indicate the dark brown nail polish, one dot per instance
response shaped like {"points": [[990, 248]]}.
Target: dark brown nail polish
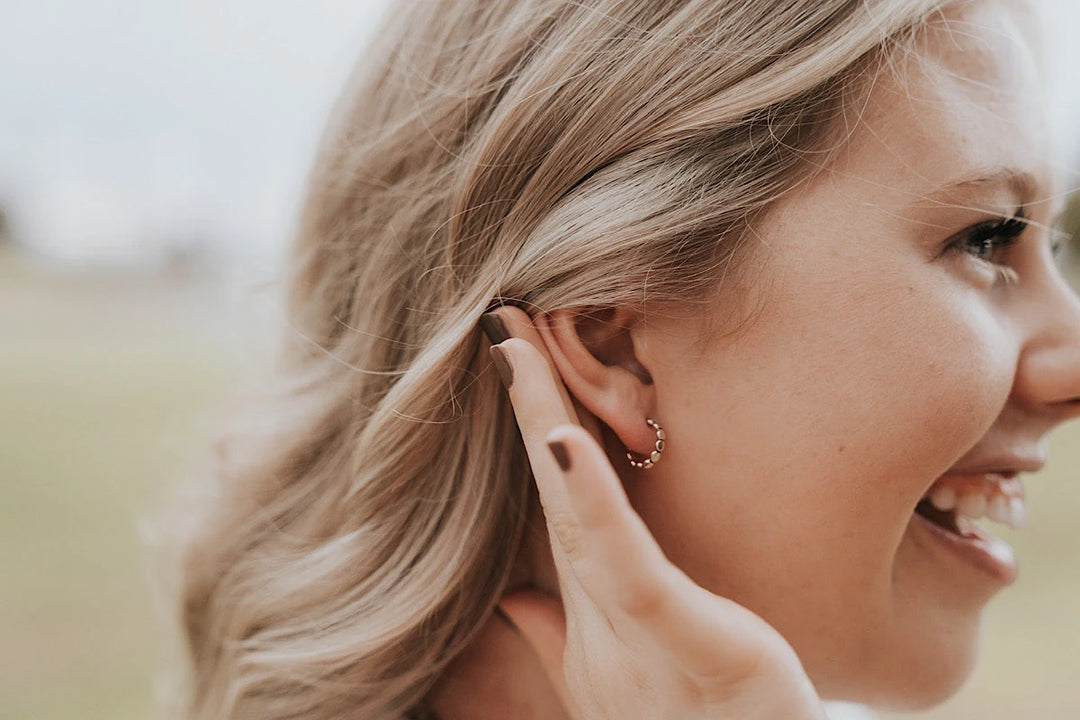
{"points": [[506, 618], [493, 327], [502, 364], [558, 449]]}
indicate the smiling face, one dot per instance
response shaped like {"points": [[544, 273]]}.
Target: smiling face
{"points": [[883, 343]]}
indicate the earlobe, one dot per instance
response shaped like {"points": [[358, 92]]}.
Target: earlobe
{"points": [[596, 358]]}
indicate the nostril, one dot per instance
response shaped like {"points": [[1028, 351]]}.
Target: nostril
{"points": [[1062, 409]]}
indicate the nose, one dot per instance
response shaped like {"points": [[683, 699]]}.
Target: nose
{"points": [[1048, 375]]}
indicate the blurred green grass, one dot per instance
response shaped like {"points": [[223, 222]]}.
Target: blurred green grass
{"points": [[105, 387], [103, 391]]}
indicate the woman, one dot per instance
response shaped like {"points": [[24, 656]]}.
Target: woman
{"points": [[776, 305]]}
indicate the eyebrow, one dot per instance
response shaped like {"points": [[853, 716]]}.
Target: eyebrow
{"points": [[1020, 182]]}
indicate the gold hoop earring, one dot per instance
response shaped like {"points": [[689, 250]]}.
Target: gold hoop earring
{"points": [[654, 456]]}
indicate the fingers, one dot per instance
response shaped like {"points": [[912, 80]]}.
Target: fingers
{"points": [[539, 399], [538, 408], [540, 403], [507, 322], [591, 522], [615, 557], [618, 589], [620, 566]]}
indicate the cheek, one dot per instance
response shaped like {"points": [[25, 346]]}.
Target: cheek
{"points": [[799, 449], [821, 424], [920, 384], [869, 380]]}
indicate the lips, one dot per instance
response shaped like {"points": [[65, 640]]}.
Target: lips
{"points": [[988, 554], [952, 505]]}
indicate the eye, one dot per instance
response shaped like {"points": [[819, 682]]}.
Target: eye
{"points": [[987, 240]]}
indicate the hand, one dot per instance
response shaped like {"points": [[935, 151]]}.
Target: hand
{"points": [[635, 636]]}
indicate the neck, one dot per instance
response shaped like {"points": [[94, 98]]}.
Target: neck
{"points": [[499, 676]]}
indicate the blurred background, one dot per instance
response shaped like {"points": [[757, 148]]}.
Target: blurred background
{"points": [[152, 158]]}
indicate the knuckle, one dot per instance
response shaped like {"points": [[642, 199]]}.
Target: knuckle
{"points": [[643, 595], [569, 533], [635, 678]]}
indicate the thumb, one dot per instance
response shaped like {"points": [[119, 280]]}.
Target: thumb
{"points": [[540, 619]]}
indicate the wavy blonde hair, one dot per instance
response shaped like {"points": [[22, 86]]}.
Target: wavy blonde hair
{"points": [[584, 154]]}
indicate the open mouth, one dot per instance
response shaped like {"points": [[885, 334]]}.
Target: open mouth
{"points": [[949, 511], [955, 502], [942, 518]]}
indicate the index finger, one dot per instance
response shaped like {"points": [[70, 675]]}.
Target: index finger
{"points": [[539, 408], [541, 403], [509, 321], [600, 543]]}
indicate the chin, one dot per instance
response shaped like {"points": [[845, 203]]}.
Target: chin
{"points": [[911, 679], [927, 692]]}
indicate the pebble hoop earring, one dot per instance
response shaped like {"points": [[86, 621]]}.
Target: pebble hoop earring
{"points": [[654, 456]]}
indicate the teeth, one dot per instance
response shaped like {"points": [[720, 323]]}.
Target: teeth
{"points": [[943, 497], [999, 510], [1017, 513], [966, 526], [999, 502], [972, 505]]}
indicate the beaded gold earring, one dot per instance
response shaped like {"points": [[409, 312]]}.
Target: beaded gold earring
{"points": [[654, 456]]}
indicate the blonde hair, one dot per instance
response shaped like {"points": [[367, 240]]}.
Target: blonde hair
{"points": [[560, 154]]}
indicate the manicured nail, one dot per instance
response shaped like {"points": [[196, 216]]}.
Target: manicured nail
{"points": [[493, 327], [558, 449], [507, 302], [502, 364], [506, 618]]}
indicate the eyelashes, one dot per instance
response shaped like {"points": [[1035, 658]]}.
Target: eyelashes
{"points": [[988, 240]]}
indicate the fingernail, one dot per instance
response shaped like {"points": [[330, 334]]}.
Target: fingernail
{"points": [[558, 449], [507, 302], [502, 364], [506, 618], [493, 327]]}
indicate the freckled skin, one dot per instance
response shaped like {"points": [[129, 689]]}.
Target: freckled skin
{"points": [[799, 447]]}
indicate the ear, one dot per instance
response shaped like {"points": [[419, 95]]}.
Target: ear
{"points": [[594, 353]]}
